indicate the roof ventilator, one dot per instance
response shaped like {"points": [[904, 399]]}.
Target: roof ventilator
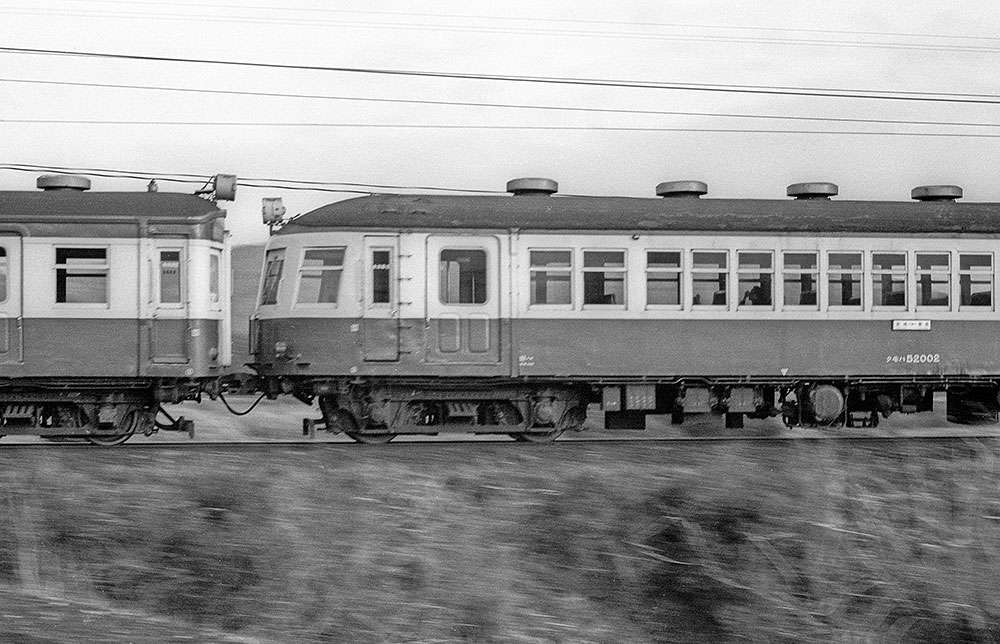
{"points": [[936, 193], [63, 182], [676, 189], [532, 186], [812, 190]]}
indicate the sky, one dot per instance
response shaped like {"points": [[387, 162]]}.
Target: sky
{"points": [[925, 48]]}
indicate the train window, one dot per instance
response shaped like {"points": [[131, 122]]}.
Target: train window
{"points": [[756, 278], [319, 275], [889, 280], [213, 276], [462, 276], [801, 278], [551, 276], [3, 274], [274, 261], [933, 279], [382, 276], [663, 277], [604, 277], [81, 275], [709, 276], [170, 277], [844, 276], [975, 280]]}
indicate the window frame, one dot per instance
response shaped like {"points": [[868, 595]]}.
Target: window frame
{"points": [[5, 271], [570, 272], [693, 271], [990, 274], [370, 267], [768, 271], [680, 272], [905, 273], [282, 251], [181, 276], [301, 269], [486, 271], [817, 274], [623, 270], [948, 274], [862, 274], [105, 267]]}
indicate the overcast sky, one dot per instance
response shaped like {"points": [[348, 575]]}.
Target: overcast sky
{"points": [[894, 46]]}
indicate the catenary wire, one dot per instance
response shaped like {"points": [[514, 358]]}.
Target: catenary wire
{"points": [[522, 19], [456, 126], [253, 182], [409, 26], [520, 106], [896, 95]]}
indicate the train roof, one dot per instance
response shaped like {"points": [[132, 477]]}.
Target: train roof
{"points": [[557, 213], [71, 203]]}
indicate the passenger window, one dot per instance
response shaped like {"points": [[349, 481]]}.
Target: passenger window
{"points": [[381, 276], [709, 277], [756, 278], [889, 280], [81, 275], [213, 276], [319, 275], [551, 277], [975, 280], [844, 280], [170, 277], [933, 279], [604, 277], [663, 277], [274, 261], [801, 277], [462, 276], [3, 274]]}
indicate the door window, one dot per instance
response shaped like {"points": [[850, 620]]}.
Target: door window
{"points": [[462, 276]]}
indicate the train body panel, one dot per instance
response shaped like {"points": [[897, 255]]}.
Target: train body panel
{"points": [[805, 303], [109, 304]]}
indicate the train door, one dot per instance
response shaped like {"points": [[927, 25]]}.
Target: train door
{"points": [[463, 299], [169, 337], [380, 311], [11, 347]]}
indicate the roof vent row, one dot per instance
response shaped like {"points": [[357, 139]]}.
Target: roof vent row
{"points": [[695, 189]]}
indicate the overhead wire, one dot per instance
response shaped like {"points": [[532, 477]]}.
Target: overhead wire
{"points": [[457, 126], [410, 26], [519, 106], [251, 182], [895, 95], [537, 18]]}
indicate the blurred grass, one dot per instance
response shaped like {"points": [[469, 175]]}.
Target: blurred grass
{"points": [[801, 541]]}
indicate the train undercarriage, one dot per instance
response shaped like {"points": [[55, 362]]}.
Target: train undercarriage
{"points": [[377, 410], [100, 412]]}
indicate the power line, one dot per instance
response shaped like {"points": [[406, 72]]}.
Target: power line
{"points": [[519, 106], [523, 19], [252, 182], [942, 97], [409, 26], [457, 126]]}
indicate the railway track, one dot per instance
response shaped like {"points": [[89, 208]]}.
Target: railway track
{"points": [[410, 442]]}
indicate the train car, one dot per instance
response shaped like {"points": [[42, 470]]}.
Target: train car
{"points": [[512, 314], [110, 303]]}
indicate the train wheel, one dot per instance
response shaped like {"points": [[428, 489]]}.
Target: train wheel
{"points": [[344, 421], [129, 422]]}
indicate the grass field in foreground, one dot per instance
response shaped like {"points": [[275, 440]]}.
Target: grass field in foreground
{"points": [[560, 542]]}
